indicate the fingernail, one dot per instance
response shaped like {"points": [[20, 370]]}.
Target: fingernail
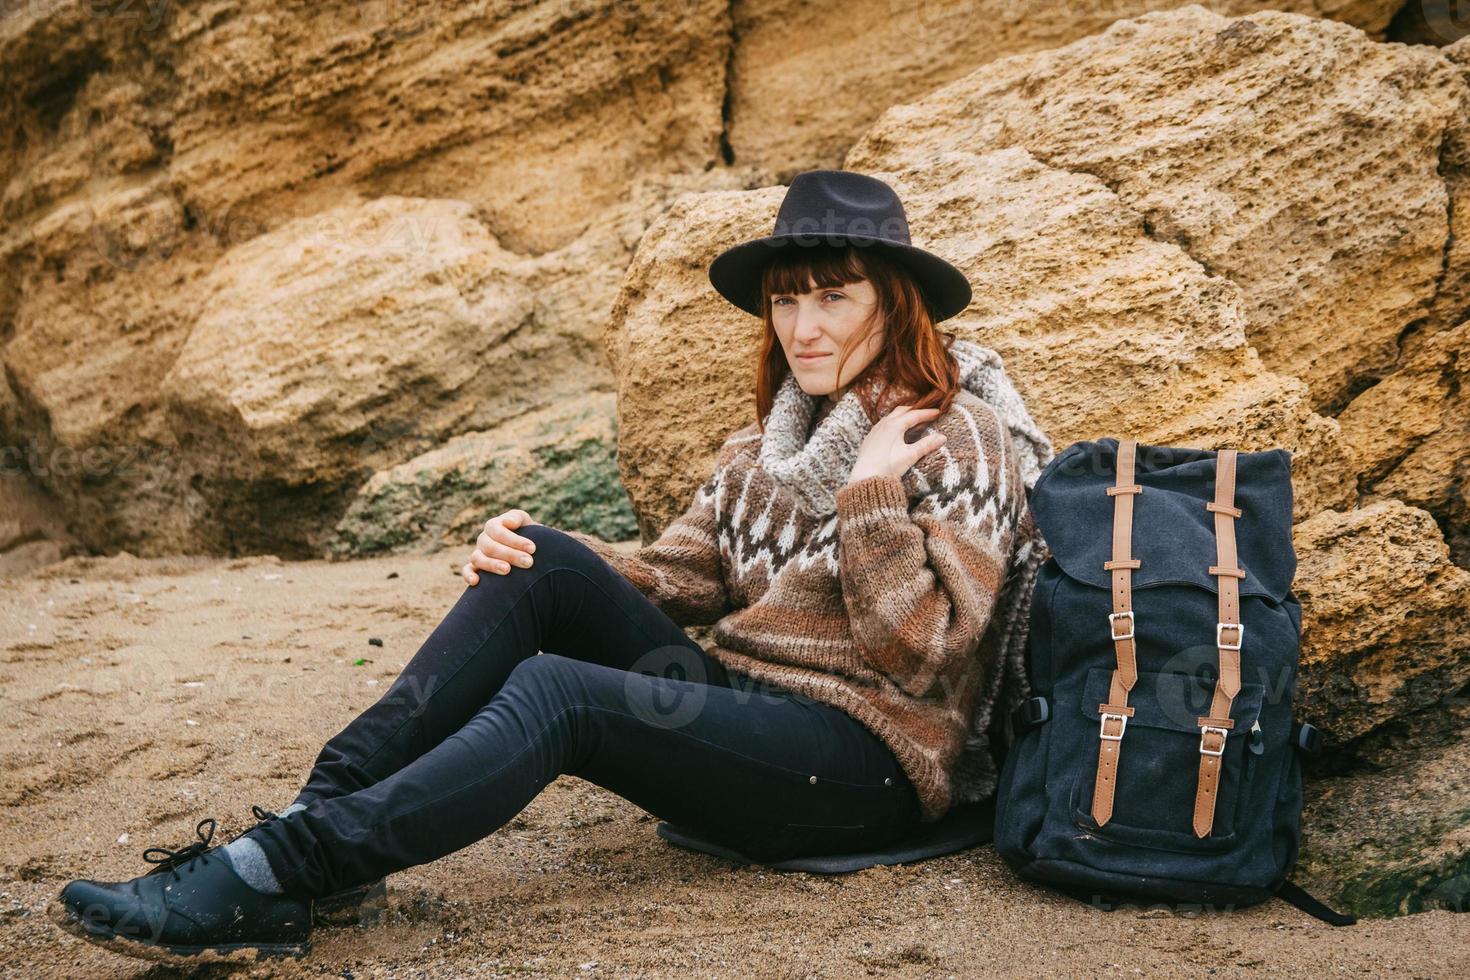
{"points": [[531, 546]]}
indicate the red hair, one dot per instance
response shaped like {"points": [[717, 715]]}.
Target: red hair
{"points": [[914, 367]]}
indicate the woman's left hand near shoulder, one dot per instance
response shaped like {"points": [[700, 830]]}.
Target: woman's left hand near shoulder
{"points": [[885, 452]]}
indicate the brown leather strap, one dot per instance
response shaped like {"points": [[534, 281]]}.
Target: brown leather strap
{"points": [[1229, 635], [1115, 711]]}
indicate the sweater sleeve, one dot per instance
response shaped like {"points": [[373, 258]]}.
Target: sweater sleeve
{"points": [[921, 582], [681, 572]]}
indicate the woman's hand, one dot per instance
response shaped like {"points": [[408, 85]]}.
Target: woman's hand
{"points": [[499, 547], [884, 451]]}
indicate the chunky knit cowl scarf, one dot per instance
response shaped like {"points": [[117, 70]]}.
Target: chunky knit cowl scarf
{"points": [[814, 464]]}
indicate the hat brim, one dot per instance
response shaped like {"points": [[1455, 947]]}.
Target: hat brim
{"points": [[736, 272]]}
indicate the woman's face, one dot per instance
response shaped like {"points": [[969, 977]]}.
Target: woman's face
{"points": [[814, 326]]}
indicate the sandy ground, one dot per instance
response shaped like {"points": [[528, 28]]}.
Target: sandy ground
{"points": [[140, 696]]}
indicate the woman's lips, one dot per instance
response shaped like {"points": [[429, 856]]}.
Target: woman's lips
{"points": [[809, 357]]}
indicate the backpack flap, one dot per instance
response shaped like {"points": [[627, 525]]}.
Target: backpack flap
{"points": [[1073, 511]]}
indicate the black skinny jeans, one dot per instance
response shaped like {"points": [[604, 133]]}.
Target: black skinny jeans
{"points": [[479, 722]]}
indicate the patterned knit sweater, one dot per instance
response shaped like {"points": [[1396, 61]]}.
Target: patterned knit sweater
{"points": [[904, 602]]}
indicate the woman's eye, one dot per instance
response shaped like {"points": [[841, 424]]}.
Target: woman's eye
{"points": [[830, 295]]}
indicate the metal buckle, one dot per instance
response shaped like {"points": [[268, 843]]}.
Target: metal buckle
{"points": [[1102, 726], [1239, 639], [1224, 735], [1128, 635]]}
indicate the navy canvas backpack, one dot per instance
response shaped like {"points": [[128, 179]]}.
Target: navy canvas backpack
{"points": [[1157, 759]]}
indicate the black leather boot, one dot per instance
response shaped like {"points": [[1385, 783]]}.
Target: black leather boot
{"points": [[193, 909]]}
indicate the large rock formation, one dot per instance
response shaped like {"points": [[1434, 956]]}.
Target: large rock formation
{"points": [[241, 245], [804, 73], [238, 409], [1384, 612], [152, 142], [1296, 158]]}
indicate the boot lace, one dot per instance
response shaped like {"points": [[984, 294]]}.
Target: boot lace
{"points": [[172, 861]]}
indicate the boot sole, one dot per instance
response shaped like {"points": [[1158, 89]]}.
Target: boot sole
{"points": [[105, 937]]}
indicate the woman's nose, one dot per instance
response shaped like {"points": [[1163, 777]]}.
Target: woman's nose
{"points": [[808, 326]]}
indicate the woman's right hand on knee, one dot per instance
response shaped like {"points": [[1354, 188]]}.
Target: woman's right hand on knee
{"points": [[499, 547]]}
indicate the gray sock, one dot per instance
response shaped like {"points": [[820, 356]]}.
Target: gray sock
{"points": [[251, 864]]}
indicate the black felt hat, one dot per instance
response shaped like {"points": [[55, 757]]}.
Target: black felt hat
{"points": [[839, 207]]}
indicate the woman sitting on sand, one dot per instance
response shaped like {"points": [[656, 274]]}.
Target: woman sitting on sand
{"points": [[867, 565]]}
